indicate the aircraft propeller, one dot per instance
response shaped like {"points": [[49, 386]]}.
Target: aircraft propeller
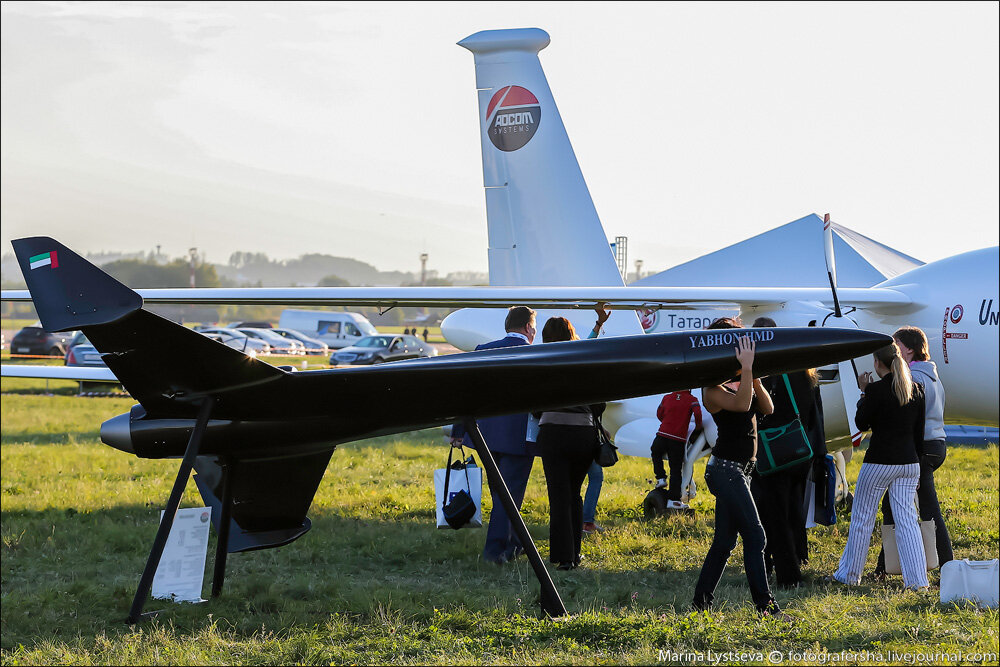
{"points": [[848, 369]]}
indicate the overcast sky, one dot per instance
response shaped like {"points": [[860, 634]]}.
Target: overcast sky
{"points": [[351, 129]]}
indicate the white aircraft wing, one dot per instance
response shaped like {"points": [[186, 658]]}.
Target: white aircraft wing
{"points": [[58, 373], [618, 298]]}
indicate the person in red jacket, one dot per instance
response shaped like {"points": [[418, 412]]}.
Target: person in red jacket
{"points": [[674, 414]]}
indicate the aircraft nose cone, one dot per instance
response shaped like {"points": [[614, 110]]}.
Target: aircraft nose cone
{"points": [[117, 433], [857, 342], [808, 347]]}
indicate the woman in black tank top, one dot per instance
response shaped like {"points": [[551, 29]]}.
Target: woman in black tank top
{"points": [[735, 414], [737, 439]]}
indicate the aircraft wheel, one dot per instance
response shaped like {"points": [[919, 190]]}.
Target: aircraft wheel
{"points": [[654, 504], [55, 352]]}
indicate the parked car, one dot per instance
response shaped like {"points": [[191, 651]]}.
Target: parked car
{"points": [[237, 340], [82, 352], [336, 329], [36, 340], [382, 348], [279, 344], [254, 324], [313, 345]]}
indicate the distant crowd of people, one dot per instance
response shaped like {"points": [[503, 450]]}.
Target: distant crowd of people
{"points": [[903, 408], [413, 332]]}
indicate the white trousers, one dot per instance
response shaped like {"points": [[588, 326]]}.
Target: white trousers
{"points": [[873, 480]]}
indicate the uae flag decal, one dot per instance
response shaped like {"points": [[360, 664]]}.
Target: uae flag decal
{"points": [[45, 259], [512, 117]]}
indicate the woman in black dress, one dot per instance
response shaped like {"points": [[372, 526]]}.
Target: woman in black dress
{"points": [[567, 440], [727, 476], [779, 496]]}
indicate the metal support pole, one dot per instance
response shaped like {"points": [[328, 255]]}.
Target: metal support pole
{"points": [[552, 604], [163, 532], [222, 546]]}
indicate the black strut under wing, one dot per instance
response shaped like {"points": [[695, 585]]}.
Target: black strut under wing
{"points": [[270, 497]]}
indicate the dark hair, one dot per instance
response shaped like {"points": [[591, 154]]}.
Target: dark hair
{"points": [[726, 323], [913, 338], [558, 329], [518, 317], [811, 373]]}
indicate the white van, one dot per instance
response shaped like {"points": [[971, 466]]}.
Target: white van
{"points": [[336, 329]]}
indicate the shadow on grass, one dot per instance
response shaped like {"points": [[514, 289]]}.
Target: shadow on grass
{"points": [[369, 585], [44, 438], [79, 570]]}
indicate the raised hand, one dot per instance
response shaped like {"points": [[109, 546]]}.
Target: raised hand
{"points": [[864, 380], [745, 352], [602, 315]]}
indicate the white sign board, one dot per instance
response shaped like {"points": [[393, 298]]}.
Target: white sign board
{"points": [[181, 572]]}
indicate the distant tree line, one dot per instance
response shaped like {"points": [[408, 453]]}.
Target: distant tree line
{"points": [[308, 269], [251, 269], [145, 274]]}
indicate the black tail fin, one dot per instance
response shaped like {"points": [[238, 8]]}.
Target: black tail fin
{"points": [[167, 367], [68, 291]]}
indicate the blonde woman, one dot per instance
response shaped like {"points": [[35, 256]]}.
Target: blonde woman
{"points": [[893, 408], [915, 351]]}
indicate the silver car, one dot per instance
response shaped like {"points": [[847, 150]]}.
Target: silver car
{"points": [[279, 344], [237, 340], [312, 345], [81, 352], [382, 348]]}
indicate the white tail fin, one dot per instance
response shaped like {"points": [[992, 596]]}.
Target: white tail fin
{"points": [[543, 227]]}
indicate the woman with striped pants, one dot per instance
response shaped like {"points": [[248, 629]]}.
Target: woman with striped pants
{"points": [[893, 408]]}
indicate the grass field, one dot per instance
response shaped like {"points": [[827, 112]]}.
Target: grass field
{"points": [[375, 582], [16, 324]]}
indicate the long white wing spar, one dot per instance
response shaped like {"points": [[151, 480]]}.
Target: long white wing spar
{"points": [[618, 298], [541, 298], [58, 373]]}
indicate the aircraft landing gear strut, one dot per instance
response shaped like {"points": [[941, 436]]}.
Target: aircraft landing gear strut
{"points": [[552, 604], [222, 545], [173, 502]]}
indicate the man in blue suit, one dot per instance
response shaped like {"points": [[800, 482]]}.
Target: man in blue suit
{"points": [[505, 437]]}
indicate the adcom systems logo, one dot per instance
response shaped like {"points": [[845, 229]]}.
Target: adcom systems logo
{"points": [[512, 117]]}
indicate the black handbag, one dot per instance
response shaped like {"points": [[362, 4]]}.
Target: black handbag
{"points": [[459, 507], [783, 446], [606, 454]]}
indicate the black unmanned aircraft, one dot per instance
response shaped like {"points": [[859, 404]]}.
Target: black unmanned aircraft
{"points": [[259, 437]]}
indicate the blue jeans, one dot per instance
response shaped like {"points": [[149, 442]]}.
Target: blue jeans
{"points": [[595, 480], [735, 514]]}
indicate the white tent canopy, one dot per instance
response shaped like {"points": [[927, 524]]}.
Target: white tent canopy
{"points": [[790, 256]]}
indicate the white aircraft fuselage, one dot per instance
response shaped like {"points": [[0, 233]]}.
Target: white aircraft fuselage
{"points": [[953, 305]]}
